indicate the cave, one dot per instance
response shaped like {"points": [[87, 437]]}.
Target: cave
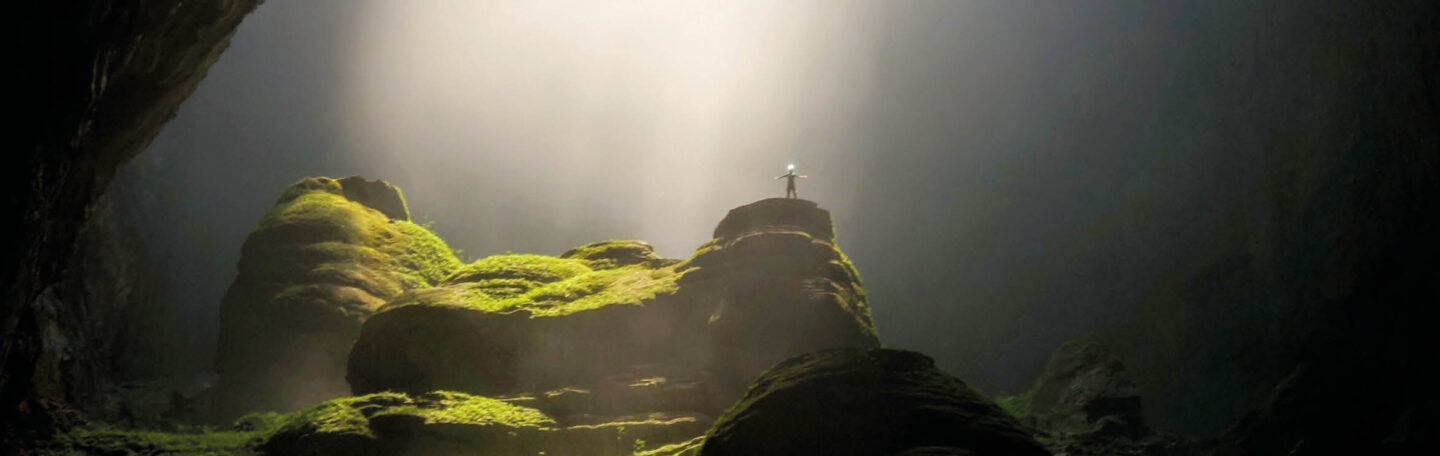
{"points": [[1180, 228]]}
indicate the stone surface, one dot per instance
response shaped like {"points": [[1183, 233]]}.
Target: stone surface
{"points": [[853, 401], [778, 286], [1085, 389], [315, 267]]}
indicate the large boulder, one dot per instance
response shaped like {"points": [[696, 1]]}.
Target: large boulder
{"points": [[778, 286], [865, 402], [511, 323], [316, 265], [1085, 389]]}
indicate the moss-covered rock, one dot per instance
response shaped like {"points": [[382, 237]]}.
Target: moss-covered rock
{"points": [[243, 437], [513, 323], [853, 401], [778, 286], [610, 331], [770, 285], [319, 263], [451, 423]]}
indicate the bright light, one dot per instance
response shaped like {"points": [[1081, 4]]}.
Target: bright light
{"points": [[792, 167]]}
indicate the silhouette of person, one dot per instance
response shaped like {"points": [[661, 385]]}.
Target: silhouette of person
{"points": [[789, 177]]}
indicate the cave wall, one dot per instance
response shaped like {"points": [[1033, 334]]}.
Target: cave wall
{"points": [[98, 81], [1327, 113]]}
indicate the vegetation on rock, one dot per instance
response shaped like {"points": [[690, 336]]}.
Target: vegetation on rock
{"points": [[315, 266], [853, 401]]}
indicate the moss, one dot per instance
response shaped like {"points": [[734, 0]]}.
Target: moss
{"points": [[546, 286], [351, 415], [687, 448], [316, 235], [448, 407], [614, 253], [533, 268], [1017, 405], [242, 439]]}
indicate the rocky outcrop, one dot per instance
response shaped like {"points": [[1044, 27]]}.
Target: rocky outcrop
{"points": [[851, 401], [452, 423], [1084, 389], [1085, 404], [609, 331], [315, 267], [779, 287]]}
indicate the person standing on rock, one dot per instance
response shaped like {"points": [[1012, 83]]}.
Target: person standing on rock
{"points": [[790, 177]]}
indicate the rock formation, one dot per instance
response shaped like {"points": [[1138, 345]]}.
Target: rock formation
{"points": [[1084, 389], [610, 331], [865, 402], [1086, 404], [315, 267]]}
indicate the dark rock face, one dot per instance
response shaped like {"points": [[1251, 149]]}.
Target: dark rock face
{"points": [[1085, 389], [453, 423], [316, 266], [1304, 414], [100, 80], [851, 401], [1085, 404]]}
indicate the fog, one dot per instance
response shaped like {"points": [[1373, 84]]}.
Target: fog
{"points": [[1005, 175]]}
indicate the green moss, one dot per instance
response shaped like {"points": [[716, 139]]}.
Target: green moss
{"points": [[245, 435], [448, 407], [1017, 405], [857, 306], [687, 448], [533, 268], [614, 253], [546, 286], [346, 415], [316, 235]]}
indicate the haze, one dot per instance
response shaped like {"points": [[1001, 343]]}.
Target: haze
{"points": [[1005, 175]]}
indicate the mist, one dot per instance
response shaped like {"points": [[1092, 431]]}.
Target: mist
{"points": [[1005, 175]]}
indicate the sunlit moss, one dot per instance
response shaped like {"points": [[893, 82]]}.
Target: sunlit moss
{"points": [[546, 286], [448, 407], [614, 253], [244, 436], [687, 448], [314, 234], [532, 268]]}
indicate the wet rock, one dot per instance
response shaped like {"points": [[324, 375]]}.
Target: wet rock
{"points": [[865, 402]]}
